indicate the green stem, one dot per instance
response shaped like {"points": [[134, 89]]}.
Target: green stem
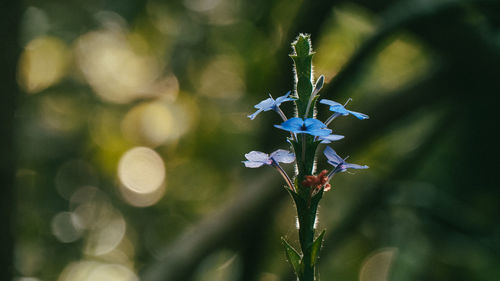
{"points": [[303, 139], [306, 237], [306, 213], [305, 150]]}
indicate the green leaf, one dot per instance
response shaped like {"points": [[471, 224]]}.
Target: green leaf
{"points": [[293, 257], [315, 199], [300, 203], [316, 247], [319, 84]]}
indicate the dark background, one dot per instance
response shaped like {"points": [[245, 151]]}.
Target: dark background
{"points": [[84, 82]]}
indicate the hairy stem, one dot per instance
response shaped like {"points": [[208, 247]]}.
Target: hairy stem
{"points": [[306, 237]]}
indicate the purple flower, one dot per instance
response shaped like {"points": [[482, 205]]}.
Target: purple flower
{"points": [[271, 104], [257, 159], [341, 110], [309, 126], [339, 164]]}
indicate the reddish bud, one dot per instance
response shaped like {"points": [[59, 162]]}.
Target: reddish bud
{"points": [[318, 181]]}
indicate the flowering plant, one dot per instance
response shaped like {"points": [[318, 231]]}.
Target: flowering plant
{"points": [[306, 134]]}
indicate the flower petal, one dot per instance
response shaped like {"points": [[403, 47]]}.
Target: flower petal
{"points": [[330, 102], [330, 138], [266, 104], [359, 115], [339, 108], [257, 156], [340, 168], [335, 106], [252, 116], [252, 164], [313, 124], [283, 156], [332, 156], [283, 99], [293, 125], [318, 132]]}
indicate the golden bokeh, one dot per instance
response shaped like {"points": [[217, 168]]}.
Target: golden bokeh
{"points": [[141, 172], [112, 68], [97, 271], [105, 238], [142, 199], [43, 63], [153, 123]]}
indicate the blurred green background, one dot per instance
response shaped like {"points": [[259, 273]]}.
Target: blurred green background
{"points": [[124, 127]]}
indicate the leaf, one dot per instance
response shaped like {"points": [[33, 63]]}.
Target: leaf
{"points": [[300, 203], [315, 200], [316, 247], [293, 257], [319, 84]]}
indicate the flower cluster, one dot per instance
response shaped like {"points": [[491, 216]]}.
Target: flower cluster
{"points": [[298, 126], [307, 135]]}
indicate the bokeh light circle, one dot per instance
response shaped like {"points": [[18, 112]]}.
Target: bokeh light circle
{"points": [[64, 226], [141, 170]]}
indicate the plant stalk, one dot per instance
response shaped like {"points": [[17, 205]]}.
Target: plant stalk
{"points": [[306, 237]]}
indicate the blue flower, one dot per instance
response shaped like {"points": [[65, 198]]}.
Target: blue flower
{"points": [[271, 104], [339, 164], [340, 109], [330, 138], [309, 126], [257, 159]]}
